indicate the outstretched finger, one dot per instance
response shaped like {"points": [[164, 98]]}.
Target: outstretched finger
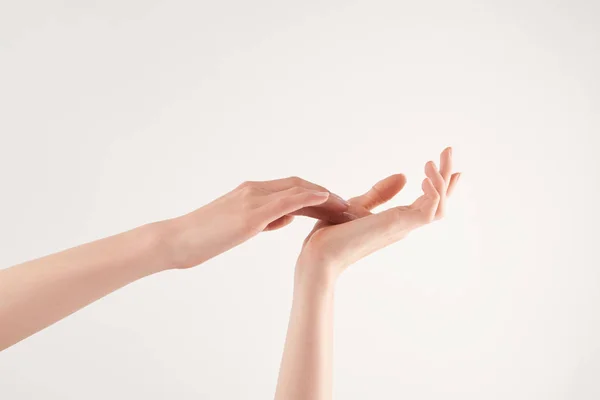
{"points": [[440, 186], [453, 181], [381, 192], [430, 200], [371, 233], [446, 164]]}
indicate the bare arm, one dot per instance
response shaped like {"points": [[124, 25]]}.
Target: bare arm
{"points": [[35, 294], [306, 366]]}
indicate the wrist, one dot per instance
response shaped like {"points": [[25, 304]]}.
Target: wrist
{"points": [[151, 243], [170, 244], [314, 277]]}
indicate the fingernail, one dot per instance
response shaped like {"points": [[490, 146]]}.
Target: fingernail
{"points": [[340, 199], [322, 194], [351, 217]]}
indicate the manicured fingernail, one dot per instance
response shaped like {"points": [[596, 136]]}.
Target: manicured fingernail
{"points": [[322, 194], [340, 199]]}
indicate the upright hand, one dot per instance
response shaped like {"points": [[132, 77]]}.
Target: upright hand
{"points": [[306, 366], [329, 249]]}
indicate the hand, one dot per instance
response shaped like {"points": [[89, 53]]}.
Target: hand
{"points": [[329, 249], [251, 208]]}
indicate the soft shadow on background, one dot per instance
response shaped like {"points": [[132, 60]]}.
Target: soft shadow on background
{"points": [[118, 113]]}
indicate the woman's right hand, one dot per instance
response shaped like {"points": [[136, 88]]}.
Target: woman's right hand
{"points": [[329, 249], [250, 208]]}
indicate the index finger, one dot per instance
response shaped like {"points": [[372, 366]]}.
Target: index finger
{"points": [[446, 164], [334, 204]]}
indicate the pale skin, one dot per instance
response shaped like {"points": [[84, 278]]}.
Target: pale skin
{"points": [[37, 293], [306, 367]]}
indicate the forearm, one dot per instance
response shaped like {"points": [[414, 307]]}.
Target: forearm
{"points": [[306, 367], [38, 293]]}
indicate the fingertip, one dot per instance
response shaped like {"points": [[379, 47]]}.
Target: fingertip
{"points": [[453, 181], [427, 166], [430, 168], [402, 178], [320, 197], [393, 183], [339, 199]]}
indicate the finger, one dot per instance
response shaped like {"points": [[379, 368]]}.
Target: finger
{"points": [[453, 181], [381, 192], [446, 164], [430, 200], [366, 235], [279, 223], [436, 178], [334, 202], [397, 221], [325, 214], [333, 210], [439, 184], [287, 201]]}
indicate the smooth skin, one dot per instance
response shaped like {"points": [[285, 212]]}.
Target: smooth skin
{"points": [[35, 294], [306, 366]]}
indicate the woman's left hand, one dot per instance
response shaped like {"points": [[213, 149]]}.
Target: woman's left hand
{"points": [[244, 212]]}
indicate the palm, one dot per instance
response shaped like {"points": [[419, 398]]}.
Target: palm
{"points": [[353, 240]]}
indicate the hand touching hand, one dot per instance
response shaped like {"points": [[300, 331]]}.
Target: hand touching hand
{"points": [[251, 208], [329, 249], [38, 293]]}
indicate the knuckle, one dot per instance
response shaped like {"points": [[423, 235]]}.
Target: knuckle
{"points": [[375, 195], [249, 197], [245, 184], [249, 190], [295, 180]]}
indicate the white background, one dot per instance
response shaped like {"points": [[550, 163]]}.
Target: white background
{"points": [[118, 113]]}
